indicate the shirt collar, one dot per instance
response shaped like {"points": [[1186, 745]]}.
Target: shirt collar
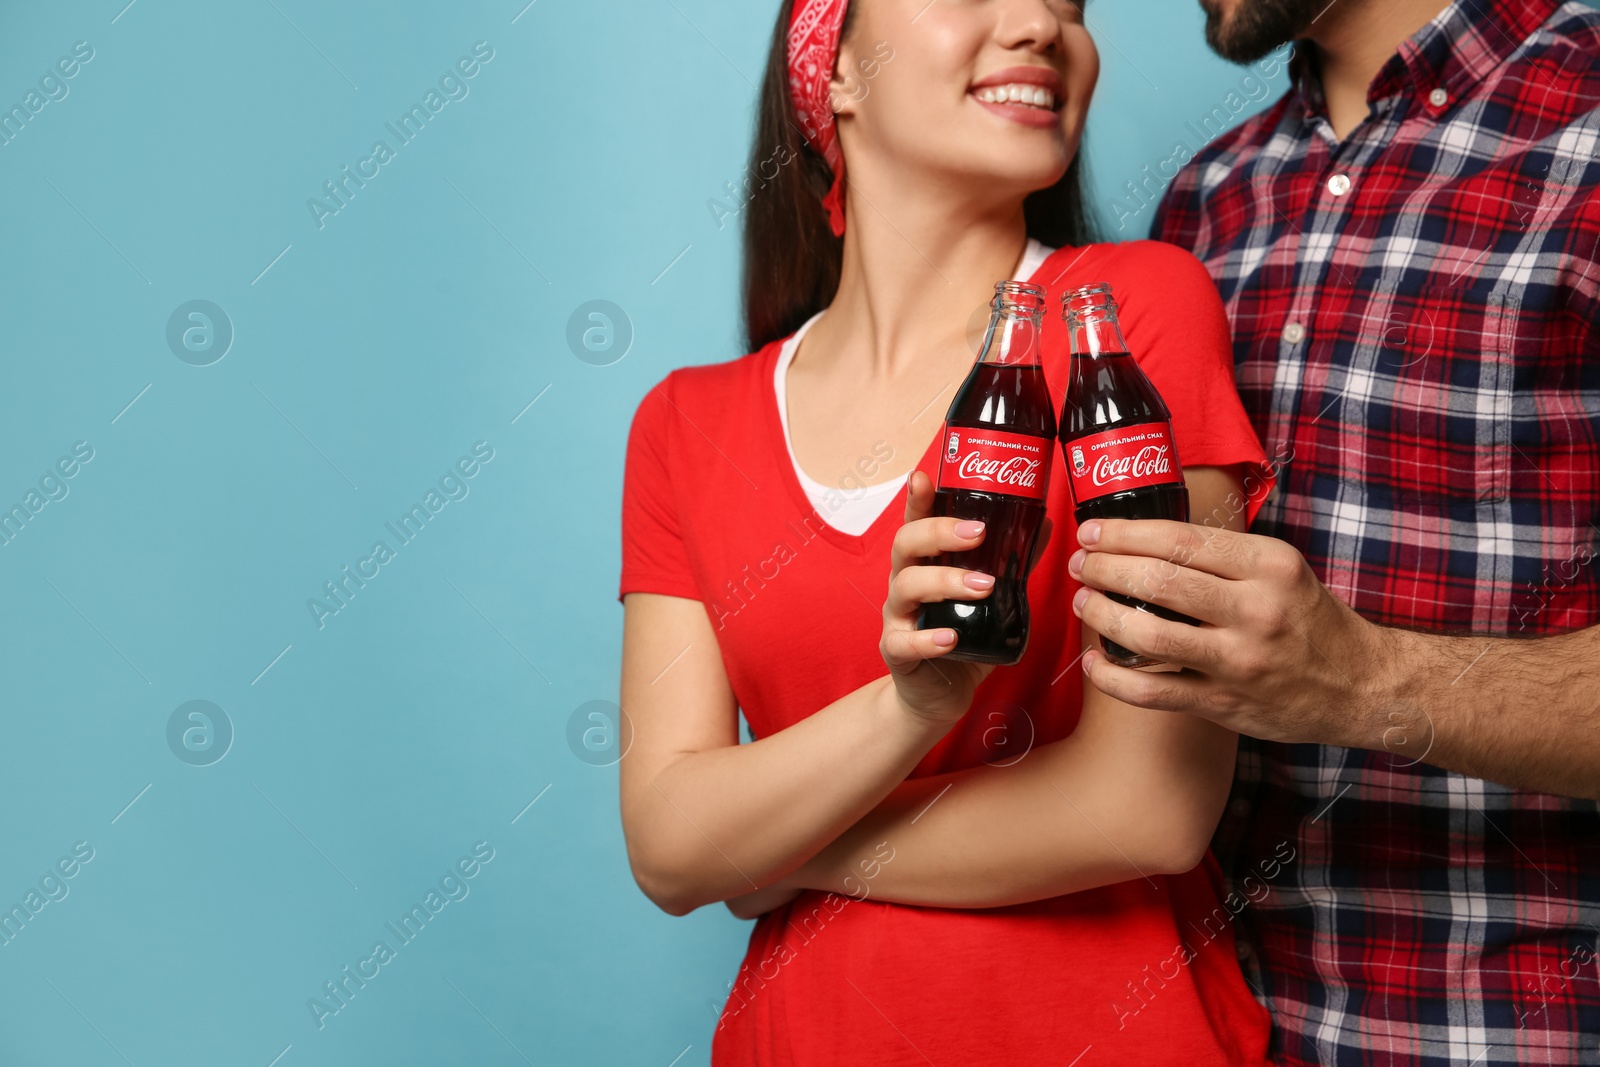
{"points": [[1458, 49]]}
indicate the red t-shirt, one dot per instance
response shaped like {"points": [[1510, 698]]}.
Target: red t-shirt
{"points": [[713, 511]]}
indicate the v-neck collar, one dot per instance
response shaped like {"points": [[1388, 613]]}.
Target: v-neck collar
{"points": [[779, 449], [888, 519]]}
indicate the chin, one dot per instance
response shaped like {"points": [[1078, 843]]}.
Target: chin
{"points": [[1040, 164], [1022, 172], [1043, 173]]}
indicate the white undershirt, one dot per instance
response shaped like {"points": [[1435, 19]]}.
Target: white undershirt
{"points": [[854, 510]]}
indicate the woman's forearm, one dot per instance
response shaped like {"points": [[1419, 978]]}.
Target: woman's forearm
{"points": [[1084, 812], [720, 823]]}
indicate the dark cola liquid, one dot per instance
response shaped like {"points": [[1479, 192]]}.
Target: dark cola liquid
{"points": [[994, 629], [1105, 393]]}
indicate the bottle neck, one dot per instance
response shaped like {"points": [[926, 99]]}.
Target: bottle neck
{"points": [[1094, 333], [1013, 338]]}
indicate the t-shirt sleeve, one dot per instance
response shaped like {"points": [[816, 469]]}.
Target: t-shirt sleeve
{"points": [[654, 556], [1176, 326]]}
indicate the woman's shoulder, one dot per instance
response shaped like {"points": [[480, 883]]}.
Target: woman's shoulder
{"points": [[1158, 286], [1138, 264], [707, 386]]}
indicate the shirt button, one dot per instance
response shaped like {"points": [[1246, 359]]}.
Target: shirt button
{"points": [[1239, 807], [1439, 98], [1294, 333], [1339, 184], [1244, 950]]}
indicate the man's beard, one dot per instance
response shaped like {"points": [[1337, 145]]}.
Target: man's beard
{"points": [[1257, 26]]}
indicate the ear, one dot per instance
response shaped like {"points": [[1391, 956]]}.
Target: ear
{"points": [[846, 88]]}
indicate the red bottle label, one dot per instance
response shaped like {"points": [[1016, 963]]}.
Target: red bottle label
{"points": [[1129, 457], [994, 461]]}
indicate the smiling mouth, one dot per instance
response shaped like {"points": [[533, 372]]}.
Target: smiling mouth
{"points": [[1035, 96]]}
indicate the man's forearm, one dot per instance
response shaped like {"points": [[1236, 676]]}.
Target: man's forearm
{"points": [[1283, 659], [1524, 713]]}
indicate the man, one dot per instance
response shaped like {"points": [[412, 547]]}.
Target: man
{"points": [[1409, 247]]}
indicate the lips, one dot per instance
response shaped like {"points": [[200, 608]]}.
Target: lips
{"points": [[1027, 95]]}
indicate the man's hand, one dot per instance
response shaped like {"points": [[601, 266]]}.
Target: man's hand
{"points": [[1278, 657]]}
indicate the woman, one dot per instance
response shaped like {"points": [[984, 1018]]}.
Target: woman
{"points": [[952, 863]]}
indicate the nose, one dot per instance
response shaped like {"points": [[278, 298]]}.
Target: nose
{"points": [[1030, 24]]}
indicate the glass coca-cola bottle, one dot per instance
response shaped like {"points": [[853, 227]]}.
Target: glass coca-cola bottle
{"points": [[1116, 438], [995, 453]]}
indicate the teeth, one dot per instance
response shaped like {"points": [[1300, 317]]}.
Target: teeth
{"points": [[1018, 93]]}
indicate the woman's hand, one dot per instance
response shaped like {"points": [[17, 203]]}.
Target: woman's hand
{"points": [[756, 904], [935, 691]]}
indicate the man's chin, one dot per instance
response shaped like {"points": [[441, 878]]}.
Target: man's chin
{"points": [[1246, 30]]}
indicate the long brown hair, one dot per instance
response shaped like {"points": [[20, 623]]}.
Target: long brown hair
{"points": [[791, 257]]}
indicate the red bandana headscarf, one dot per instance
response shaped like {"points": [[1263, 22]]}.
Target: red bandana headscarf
{"points": [[814, 27]]}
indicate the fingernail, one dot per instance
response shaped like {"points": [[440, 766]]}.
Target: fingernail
{"points": [[1089, 532], [1078, 600], [1089, 660], [969, 528], [944, 637], [1075, 562], [976, 580]]}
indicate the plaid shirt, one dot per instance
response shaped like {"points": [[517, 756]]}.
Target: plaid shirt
{"points": [[1416, 313]]}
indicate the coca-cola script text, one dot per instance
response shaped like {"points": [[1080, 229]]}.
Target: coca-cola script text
{"points": [[1116, 461], [995, 461]]}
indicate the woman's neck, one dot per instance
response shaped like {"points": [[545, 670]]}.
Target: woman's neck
{"points": [[913, 274]]}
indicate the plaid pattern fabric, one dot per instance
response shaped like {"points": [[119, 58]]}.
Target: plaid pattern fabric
{"points": [[1416, 315]]}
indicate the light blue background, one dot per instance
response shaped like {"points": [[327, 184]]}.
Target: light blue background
{"points": [[368, 356]]}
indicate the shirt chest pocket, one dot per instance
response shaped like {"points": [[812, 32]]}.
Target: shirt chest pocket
{"points": [[1438, 410]]}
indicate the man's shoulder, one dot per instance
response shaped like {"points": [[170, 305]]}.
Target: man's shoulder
{"points": [[1224, 158], [1561, 55], [1574, 23], [1224, 153]]}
